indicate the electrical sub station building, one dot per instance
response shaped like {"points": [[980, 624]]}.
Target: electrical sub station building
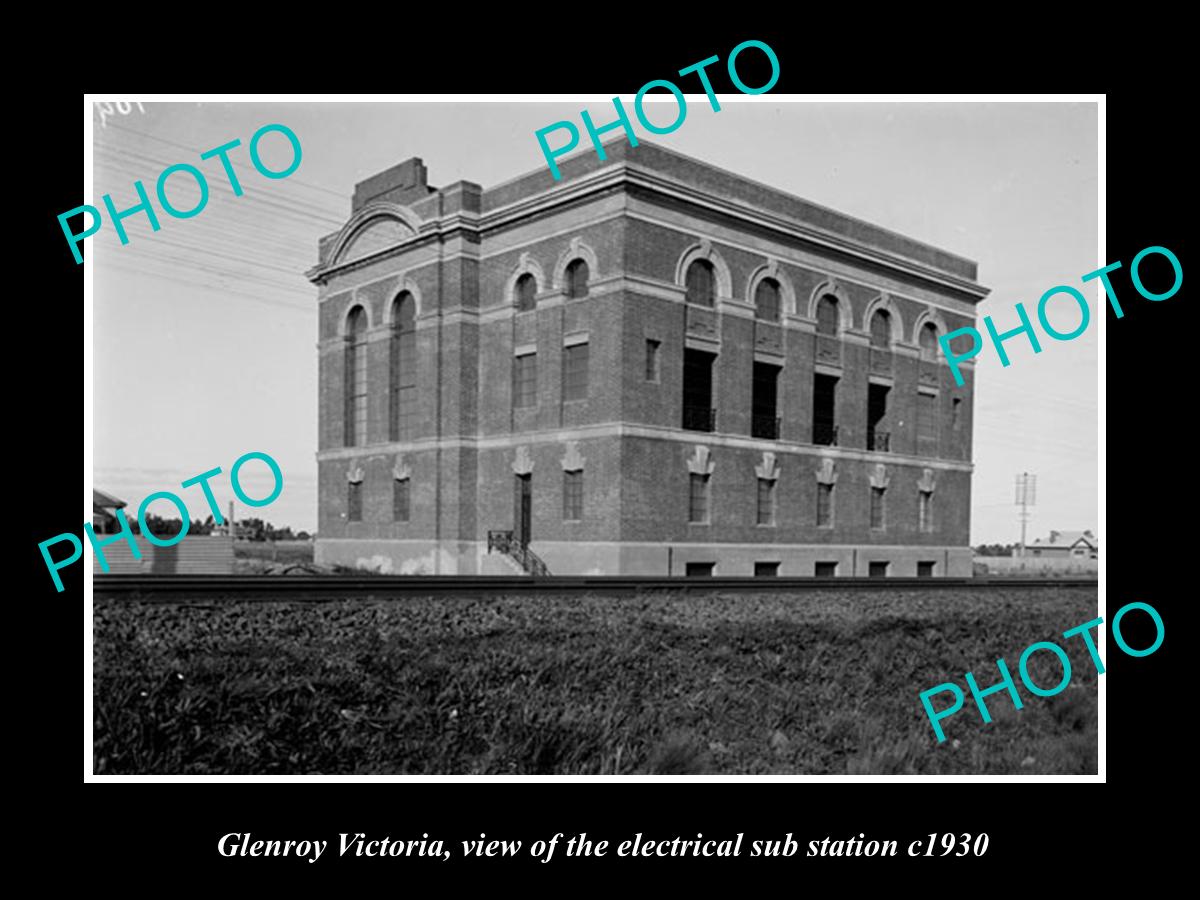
{"points": [[650, 367]]}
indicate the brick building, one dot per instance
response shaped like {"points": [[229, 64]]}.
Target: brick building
{"points": [[652, 366]]}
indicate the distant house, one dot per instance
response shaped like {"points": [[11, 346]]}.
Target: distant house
{"points": [[104, 512], [1064, 544]]}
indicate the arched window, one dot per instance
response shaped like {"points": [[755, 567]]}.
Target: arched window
{"points": [[881, 329], [701, 279], [827, 315], [766, 300], [402, 373], [356, 378], [526, 292], [928, 340], [577, 279]]}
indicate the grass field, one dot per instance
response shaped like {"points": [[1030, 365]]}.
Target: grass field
{"points": [[821, 682]]}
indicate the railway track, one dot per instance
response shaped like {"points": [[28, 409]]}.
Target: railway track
{"points": [[336, 587]]}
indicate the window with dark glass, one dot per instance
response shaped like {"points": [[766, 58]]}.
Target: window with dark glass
{"points": [[824, 505], [877, 569], [764, 401], [652, 350], [827, 315], [573, 496], [877, 498], [698, 412], [766, 300], [698, 498], [400, 509], [881, 329], [525, 381], [824, 409], [526, 292], [766, 569], [766, 501], [402, 374], [356, 378], [878, 436], [825, 569], [577, 279], [575, 372], [928, 340], [925, 511], [927, 430], [701, 283], [354, 502]]}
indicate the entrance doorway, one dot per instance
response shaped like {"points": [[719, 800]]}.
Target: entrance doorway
{"points": [[523, 517]]}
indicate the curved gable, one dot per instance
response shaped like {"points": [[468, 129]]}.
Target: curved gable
{"points": [[372, 229]]}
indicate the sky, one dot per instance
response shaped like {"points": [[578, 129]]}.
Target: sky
{"points": [[205, 331]]}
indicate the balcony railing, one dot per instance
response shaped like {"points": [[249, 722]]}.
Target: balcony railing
{"points": [[825, 433], [765, 427], [879, 440], [699, 418]]}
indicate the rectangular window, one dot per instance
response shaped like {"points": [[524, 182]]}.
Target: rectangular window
{"points": [[925, 569], [698, 499], [925, 511], [764, 407], [825, 505], [956, 413], [403, 412], [698, 412], [575, 372], [927, 424], [400, 500], [878, 434], [699, 570], [652, 347], [766, 569], [824, 409], [877, 569], [525, 381], [573, 496], [354, 502], [877, 508], [766, 501], [825, 570]]}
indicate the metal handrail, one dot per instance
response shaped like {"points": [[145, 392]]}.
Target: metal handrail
{"points": [[505, 542]]}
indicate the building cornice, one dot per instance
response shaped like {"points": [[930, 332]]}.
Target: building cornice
{"points": [[624, 173]]}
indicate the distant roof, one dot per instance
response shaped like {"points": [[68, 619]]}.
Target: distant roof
{"points": [[101, 500], [1067, 539]]}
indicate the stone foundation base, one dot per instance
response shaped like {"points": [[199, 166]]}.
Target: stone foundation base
{"points": [[597, 558]]}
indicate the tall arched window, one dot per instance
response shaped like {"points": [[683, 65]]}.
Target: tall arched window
{"points": [[577, 279], [356, 378], [766, 300], [827, 315], [701, 279], [526, 292], [928, 340], [881, 329], [402, 373]]}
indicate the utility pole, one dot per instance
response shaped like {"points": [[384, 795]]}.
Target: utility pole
{"points": [[1026, 496]]}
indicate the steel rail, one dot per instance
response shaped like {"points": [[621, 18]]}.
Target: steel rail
{"points": [[333, 587]]}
